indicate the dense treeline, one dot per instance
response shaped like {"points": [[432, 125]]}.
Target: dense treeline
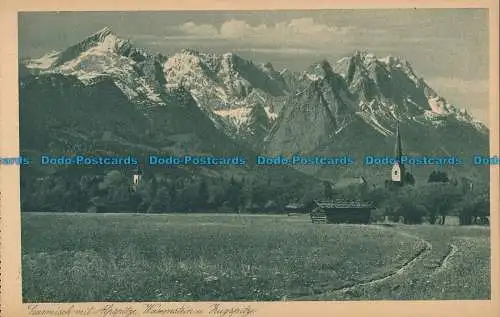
{"points": [[432, 202], [156, 193], [428, 202]]}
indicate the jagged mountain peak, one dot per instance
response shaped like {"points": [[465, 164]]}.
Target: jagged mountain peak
{"points": [[184, 56], [189, 51], [368, 60], [268, 66], [235, 62], [319, 70], [101, 42], [359, 55], [394, 61], [388, 88], [284, 71], [321, 76], [363, 58], [101, 34], [208, 61], [326, 67], [371, 76], [194, 52], [231, 58]]}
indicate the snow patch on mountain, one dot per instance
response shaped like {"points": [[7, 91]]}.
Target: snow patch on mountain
{"points": [[270, 114], [284, 71], [372, 121], [144, 88], [128, 91], [182, 67], [228, 88], [313, 77], [435, 119], [438, 106], [386, 60], [44, 62], [186, 69], [237, 116]]}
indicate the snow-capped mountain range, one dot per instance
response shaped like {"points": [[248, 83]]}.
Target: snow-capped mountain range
{"points": [[391, 87], [103, 54], [268, 109]]}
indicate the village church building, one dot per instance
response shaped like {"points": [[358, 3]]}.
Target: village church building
{"points": [[341, 211], [399, 176]]}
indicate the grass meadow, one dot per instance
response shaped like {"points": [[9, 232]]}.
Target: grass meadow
{"points": [[209, 257]]}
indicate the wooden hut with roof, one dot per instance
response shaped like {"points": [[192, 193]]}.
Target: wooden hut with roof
{"points": [[341, 211]]}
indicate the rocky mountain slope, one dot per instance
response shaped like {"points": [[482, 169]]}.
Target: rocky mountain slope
{"points": [[231, 91], [352, 108], [103, 89], [103, 96]]}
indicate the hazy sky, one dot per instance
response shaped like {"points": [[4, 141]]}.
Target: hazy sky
{"points": [[448, 47]]}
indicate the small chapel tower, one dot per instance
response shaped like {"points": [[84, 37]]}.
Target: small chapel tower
{"points": [[137, 176], [398, 169]]}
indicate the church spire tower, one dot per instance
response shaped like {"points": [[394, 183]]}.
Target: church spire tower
{"points": [[398, 170], [398, 152]]}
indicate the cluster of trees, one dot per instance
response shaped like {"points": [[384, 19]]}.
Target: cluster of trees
{"points": [[113, 192], [428, 202], [432, 202]]}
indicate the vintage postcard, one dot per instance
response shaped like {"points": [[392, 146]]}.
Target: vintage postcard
{"points": [[269, 158]]}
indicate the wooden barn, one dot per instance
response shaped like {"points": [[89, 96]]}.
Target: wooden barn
{"points": [[340, 211]]}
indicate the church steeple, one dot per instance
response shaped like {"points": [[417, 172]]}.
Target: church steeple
{"points": [[398, 151], [398, 170]]}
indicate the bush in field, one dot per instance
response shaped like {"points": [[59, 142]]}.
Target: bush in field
{"points": [[162, 202], [378, 196], [415, 204], [203, 195], [475, 203], [328, 193], [235, 194], [312, 194], [116, 191], [403, 204], [439, 199], [377, 215], [438, 177], [354, 192]]}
